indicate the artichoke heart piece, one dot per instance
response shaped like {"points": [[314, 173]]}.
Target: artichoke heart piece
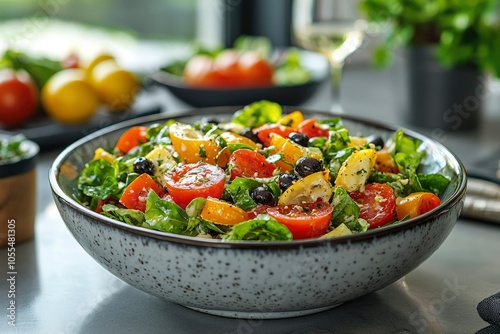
{"points": [[356, 169], [310, 189], [162, 159]]}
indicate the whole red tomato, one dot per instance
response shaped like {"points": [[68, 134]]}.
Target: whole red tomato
{"points": [[18, 97]]}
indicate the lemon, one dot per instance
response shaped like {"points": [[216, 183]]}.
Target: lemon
{"points": [[68, 98], [93, 62], [115, 86]]}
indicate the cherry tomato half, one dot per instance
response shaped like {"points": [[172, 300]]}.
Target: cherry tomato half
{"points": [[131, 138], [312, 129], [136, 193], [264, 132], [200, 72], [309, 220], [223, 213], [377, 202], [191, 181], [18, 97], [255, 71], [248, 163], [417, 204]]}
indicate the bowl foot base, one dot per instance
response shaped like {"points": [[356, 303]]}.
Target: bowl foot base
{"points": [[262, 315]]}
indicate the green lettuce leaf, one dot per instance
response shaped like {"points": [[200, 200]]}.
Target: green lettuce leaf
{"points": [[261, 228], [166, 216], [257, 114], [346, 210]]}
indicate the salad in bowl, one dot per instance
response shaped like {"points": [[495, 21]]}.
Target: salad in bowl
{"points": [[263, 175]]}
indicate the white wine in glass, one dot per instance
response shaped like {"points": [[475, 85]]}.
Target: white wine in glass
{"points": [[332, 28]]}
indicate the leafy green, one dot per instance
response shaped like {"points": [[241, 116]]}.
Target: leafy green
{"points": [[11, 148], [337, 159], [195, 222], [166, 216], [258, 113], [129, 216], [39, 68], [98, 179], [346, 210], [289, 71], [465, 32], [261, 44], [239, 191], [406, 152], [435, 183], [262, 228]]}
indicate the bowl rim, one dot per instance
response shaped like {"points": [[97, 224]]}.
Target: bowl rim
{"points": [[457, 195]]}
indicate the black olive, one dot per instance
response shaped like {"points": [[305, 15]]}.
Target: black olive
{"points": [[306, 166], [286, 180], [143, 165], [375, 140], [299, 138], [262, 195], [251, 135]]}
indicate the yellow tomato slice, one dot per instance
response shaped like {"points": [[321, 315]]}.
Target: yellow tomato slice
{"points": [[223, 213], [416, 204], [310, 189], [233, 138], [291, 152], [292, 119], [192, 146]]}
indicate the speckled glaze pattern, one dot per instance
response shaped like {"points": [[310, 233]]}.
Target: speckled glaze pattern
{"points": [[258, 280]]}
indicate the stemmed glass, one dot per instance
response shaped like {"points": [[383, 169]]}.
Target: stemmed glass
{"points": [[332, 28]]}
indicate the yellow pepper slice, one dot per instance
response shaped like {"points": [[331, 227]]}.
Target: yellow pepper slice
{"points": [[222, 213], [292, 119], [192, 146]]}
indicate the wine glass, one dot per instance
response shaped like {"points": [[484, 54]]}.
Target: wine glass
{"points": [[332, 28]]}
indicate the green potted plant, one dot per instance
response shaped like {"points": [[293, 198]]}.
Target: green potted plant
{"points": [[449, 46]]}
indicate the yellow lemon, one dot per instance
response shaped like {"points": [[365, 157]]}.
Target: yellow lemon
{"points": [[115, 86], [93, 62], [68, 98]]}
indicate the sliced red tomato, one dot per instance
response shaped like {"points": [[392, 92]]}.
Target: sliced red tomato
{"points": [[248, 163], [312, 129], [309, 220], [417, 204], [226, 64], [191, 181], [255, 71], [136, 193], [200, 72], [264, 132], [377, 202], [131, 138]]}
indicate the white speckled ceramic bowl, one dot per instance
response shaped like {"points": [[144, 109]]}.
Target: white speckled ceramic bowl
{"points": [[257, 279]]}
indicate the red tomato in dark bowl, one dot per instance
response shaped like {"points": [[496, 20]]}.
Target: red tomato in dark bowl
{"points": [[229, 69], [191, 181], [377, 202], [309, 220], [248, 163], [18, 97]]}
